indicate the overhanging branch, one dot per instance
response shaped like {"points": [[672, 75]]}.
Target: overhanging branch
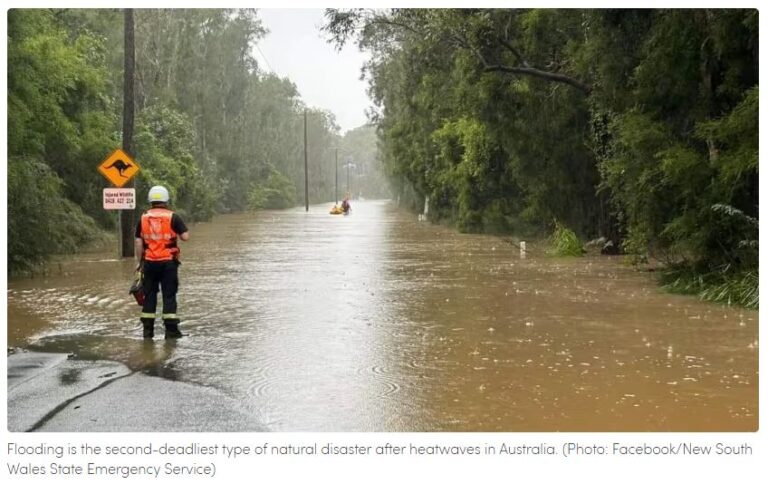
{"points": [[515, 52], [525, 70], [549, 76]]}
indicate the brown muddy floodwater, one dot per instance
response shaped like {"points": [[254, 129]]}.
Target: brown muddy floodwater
{"points": [[378, 322]]}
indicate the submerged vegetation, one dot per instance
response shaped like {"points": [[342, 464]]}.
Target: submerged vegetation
{"points": [[636, 126], [723, 286], [565, 242]]}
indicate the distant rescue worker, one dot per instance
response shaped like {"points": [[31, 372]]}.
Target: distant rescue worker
{"points": [[157, 235], [345, 206]]}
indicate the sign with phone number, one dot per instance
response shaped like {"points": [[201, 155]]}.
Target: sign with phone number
{"points": [[119, 198]]}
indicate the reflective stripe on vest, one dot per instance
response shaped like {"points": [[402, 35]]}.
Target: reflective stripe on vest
{"points": [[159, 237]]}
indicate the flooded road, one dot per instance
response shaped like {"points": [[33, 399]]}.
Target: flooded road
{"points": [[377, 322]]}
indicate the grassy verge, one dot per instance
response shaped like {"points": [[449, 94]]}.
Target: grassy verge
{"points": [[739, 288]]}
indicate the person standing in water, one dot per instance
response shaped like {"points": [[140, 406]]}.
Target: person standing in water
{"points": [[156, 244]]}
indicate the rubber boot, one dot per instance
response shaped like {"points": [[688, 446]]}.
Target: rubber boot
{"points": [[149, 327], [172, 328]]}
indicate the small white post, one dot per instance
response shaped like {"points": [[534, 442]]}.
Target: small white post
{"points": [[522, 249], [423, 216]]}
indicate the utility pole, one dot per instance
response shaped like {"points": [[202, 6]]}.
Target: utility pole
{"points": [[306, 165], [126, 217], [336, 190], [348, 163]]}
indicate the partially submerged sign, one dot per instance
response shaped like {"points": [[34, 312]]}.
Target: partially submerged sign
{"points": [[119, 198], [119, 168]]}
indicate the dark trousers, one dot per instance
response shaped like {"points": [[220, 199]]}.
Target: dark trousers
{"points": [[161, 275]]}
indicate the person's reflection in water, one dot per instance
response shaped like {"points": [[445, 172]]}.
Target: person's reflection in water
{"points": [[156, 357]]}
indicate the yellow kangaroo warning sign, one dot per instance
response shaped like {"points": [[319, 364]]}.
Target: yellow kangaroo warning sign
{"points": [[119, 168]]}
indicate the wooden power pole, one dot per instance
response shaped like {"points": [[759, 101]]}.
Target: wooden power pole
{"points": [[336, 189], [306, 165], [126, 217]]}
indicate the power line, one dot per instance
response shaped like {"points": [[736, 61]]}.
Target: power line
{"points": [[266, 61]]}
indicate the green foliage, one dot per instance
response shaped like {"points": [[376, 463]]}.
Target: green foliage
{"points": [[276, 192], [198, 63], [41, 221], [689, 143], [165, 144], [723, 285], [742, 289], [564, 242], [465, 149], [56, 113]]}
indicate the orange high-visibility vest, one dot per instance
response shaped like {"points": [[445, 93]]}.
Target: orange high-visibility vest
{"points": [[159, 237]]}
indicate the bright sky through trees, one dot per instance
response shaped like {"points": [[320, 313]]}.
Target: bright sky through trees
{"points": [[326, 79]]}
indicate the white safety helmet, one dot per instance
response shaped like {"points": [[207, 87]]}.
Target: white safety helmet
{"points": [[158, 194]]}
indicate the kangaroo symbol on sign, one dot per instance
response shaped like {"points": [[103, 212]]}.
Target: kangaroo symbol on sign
{"points": [[120, 166]]}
